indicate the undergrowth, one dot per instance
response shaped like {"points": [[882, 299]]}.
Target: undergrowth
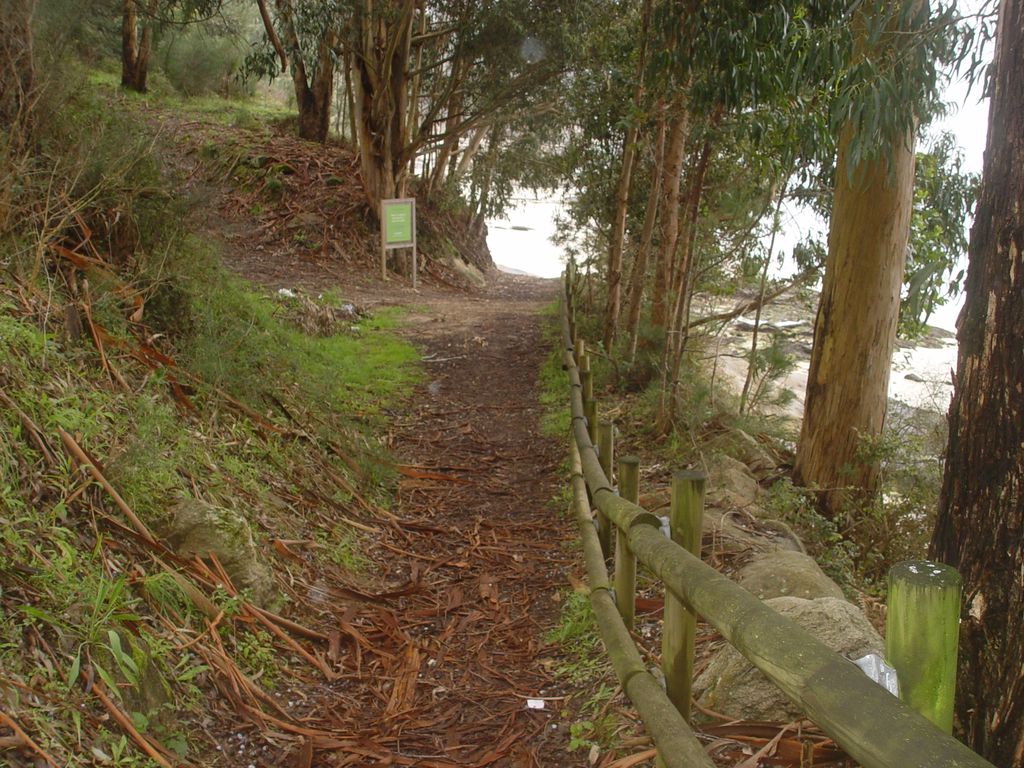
{"points": [[121, 334]]}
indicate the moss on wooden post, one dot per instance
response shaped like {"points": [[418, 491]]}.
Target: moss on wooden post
{"points": [[590, 414], [587, 385], [680, 625], [606, 455], [922, 630], [586, 375], [625, 561]]}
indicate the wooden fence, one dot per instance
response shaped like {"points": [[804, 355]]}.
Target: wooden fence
{"points": [[874, 727]]}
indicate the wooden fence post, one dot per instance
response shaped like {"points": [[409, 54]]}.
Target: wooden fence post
{"points": [[587, 385], [625, 560], [590, 414], [680, 626], [586, 376], [606, 455], [922, 630]]}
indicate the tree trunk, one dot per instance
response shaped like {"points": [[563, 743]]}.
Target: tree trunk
{"points": [[315, 99], [490, 163], [470, 151], [980, 527], [17, 73], [381, 73], [451, 131], [129, 42], [614, 274], [672, 353], [638, 277], [135, 50], [855, 328], [669, 233]]}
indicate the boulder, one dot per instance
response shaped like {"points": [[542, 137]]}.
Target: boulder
{"points": [[747, 449], [730, 482], [732, 686], [786, 574], [199, 529]]}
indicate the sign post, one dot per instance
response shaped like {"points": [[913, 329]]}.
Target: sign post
{"points": [[397, 230]]}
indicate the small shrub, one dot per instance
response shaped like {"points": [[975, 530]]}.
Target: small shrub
{"points": [[198, 63]]}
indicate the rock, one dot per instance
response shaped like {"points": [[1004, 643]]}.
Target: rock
{"points": [[467, 271], [783, 536], [786, 574], [730, 482], [914, 377], [199, 529], [746, 448], [732, 686]]}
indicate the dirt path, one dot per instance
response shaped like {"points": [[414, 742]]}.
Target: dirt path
{"points": [[446, 664], [444, 648], [490, 547]]}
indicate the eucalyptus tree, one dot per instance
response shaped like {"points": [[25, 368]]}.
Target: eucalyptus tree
{"points": [[303, 38], [139, 22], [424, 75], [599, 109], [888, 85], [980, 527], [629, 151], [742, 81]]}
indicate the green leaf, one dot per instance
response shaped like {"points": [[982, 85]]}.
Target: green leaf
{"points": [[76, 666]]}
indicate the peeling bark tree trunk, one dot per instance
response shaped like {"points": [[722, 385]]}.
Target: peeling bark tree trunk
{"points": [[980, 528], [135, 49], [315, 98], [669, 233], [381, 74], [855, 328], [17, 74], [672, 353], [638, 277], [613, 276]]}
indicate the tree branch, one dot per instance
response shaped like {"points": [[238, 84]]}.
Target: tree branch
{"points": [[272, 34]]}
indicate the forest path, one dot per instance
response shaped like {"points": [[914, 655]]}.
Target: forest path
{"points": [[441, 644], [478, 481], [440, 669]]}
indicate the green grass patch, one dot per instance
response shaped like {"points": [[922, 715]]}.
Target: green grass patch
{"points": [[554, 383], [240, 342]]}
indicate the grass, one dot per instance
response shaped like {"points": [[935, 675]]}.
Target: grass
{"points": [[251, 112], [70, 582], [241, 341]]}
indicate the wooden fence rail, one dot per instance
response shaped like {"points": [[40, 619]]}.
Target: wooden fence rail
{"points": [[874, 727]]}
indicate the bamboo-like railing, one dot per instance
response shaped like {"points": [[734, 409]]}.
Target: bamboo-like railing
{"points": [[874, 727]]}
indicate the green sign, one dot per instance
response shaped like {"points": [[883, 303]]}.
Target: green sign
{"points": [[398, 218]]}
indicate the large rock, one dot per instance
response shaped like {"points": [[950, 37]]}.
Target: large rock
{"points": [[786, 574], [741, 445], [732, 686], [730, 482], [200, 529]]}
